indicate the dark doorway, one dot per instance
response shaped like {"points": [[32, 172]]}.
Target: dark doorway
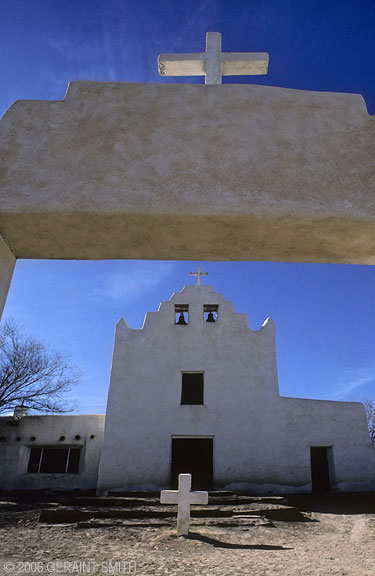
{"points": [[193, 456], [320, 469]]}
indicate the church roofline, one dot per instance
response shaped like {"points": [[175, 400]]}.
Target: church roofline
{"points": [[207, 292]]}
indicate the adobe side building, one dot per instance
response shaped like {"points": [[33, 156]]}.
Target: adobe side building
{"points": [[195, 390], [41, 452]]}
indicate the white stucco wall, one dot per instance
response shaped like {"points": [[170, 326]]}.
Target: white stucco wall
{"points": [[7, 262], [47, 430], [261, 441], [185, 171], [342, 425], [179, 171]]}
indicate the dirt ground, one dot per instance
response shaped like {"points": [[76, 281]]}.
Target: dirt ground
{"points": [[334, 538]]}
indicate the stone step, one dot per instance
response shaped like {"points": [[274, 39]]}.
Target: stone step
{"points": [[240, 500], [156, 508], [234, 522], [69, 515], [132, 494], [122, 501], [108, 502], [121, 523], [211, 494]]}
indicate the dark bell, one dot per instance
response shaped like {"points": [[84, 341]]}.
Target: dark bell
{"points": [[210, 317], [182, 320]]}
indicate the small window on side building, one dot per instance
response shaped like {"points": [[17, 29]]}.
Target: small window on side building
{"points": [[192, 388]]}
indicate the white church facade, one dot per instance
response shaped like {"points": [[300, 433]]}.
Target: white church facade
{"points": [[193, 391]]}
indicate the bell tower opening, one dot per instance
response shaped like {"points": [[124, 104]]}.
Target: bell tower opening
{"points": [[210, 312], [181, 314]]}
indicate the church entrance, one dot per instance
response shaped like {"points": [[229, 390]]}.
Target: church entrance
{"points": [[320, 469], [193, 456]]}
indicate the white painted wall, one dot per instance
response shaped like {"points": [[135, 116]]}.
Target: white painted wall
{"points": [[47, 430], [261, 441], [227, 172], [7, 262]]}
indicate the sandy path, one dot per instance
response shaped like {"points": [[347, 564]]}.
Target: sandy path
{"points": [[338, 544]]}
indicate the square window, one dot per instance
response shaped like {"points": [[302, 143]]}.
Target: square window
{"points": [[181, 314], [210, 312], [192, 388]]}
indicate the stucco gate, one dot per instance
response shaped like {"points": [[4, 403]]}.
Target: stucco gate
{"points": [[216, 172]]}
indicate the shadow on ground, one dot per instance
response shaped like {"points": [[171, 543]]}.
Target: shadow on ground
{"points": [[220, 544], [286, 515], [331, 503]]}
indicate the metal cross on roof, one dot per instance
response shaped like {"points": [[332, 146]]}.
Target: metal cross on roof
{"points": [[213, 63], [198, 274]]}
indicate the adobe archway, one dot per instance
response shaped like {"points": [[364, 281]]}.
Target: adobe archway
{"points": [[152, 171]]}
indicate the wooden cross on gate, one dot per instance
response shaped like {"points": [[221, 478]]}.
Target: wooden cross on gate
{"points": [[213, 63], [184, 497]]}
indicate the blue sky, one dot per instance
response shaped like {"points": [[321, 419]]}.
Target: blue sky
{"points": [[324, 314]]}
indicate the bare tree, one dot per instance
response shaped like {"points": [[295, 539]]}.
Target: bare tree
{"points": [[31, 374], [370, 415]]}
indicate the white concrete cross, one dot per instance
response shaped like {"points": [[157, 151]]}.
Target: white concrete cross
{"points": [[184, 497], [198, 274], [213, 63]]}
